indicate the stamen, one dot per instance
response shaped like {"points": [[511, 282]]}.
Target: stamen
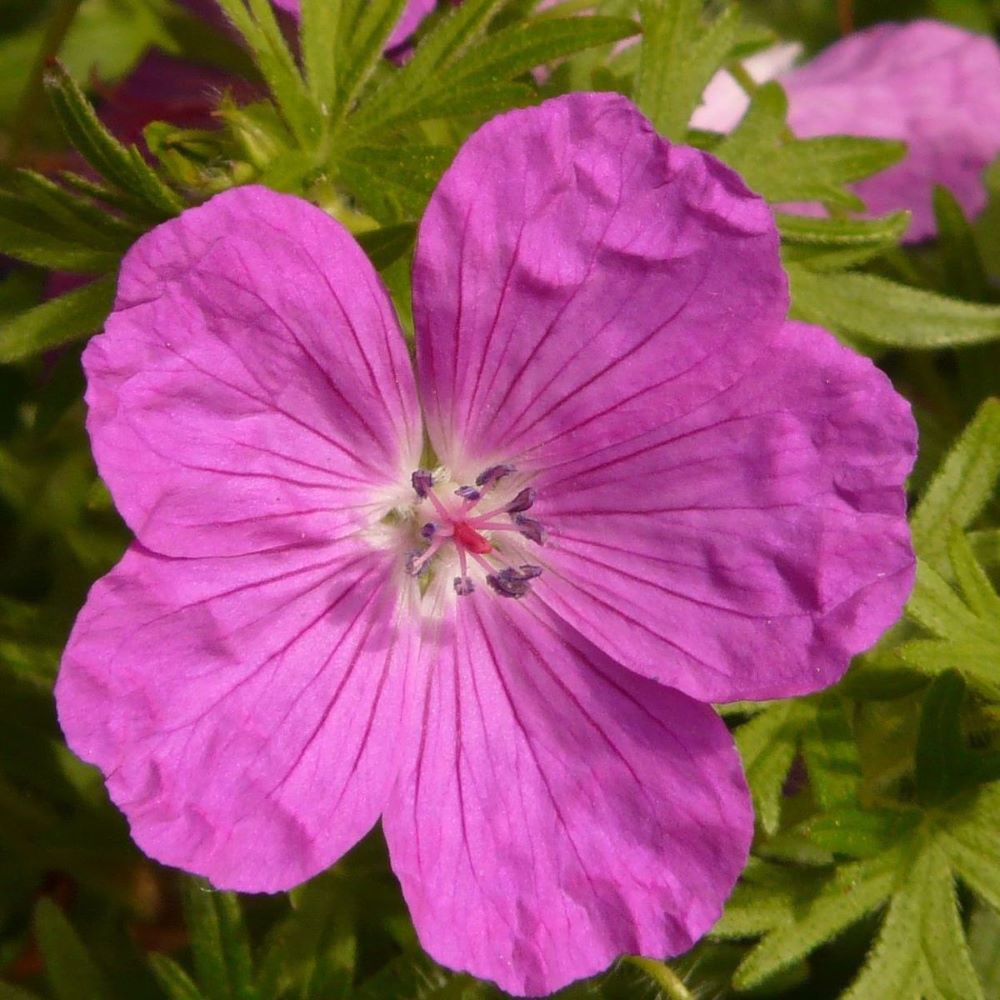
{"points": [[457, 523], [494, 474], [529, 571], [522, 501], [416, 562], [530, 528], [508, 585], [422, 481]]}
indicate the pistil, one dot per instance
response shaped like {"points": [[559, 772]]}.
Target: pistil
{"points": [[464, 528]]}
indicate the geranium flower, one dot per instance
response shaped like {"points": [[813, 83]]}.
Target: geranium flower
{"points": [[488, 600], [932, 85]]}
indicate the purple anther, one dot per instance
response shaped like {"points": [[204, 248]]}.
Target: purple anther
{"points": [[464, 586], [414, 566], [507, 584], [468, 493], [428, 530], [530, 528], [528, 571], [522, 501], [422, 481], [494, 474]]}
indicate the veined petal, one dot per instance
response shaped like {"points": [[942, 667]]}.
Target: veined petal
{"points": [[577, 279], [245, 711], [558, 811], [750, 547], [252, 387]]}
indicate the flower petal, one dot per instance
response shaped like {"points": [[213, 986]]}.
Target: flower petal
{"points": [[245, 711], [559, 811], [252, 386], [750, 547], [932, 85], [576, 276]]}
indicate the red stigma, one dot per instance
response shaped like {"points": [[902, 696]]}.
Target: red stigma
{"points": [[470, 539]]}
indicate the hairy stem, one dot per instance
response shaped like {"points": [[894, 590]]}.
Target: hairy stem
{"points": [[31, 97]]}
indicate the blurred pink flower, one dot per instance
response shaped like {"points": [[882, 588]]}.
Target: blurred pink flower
{"points": [[649, 492], [932, 85]]}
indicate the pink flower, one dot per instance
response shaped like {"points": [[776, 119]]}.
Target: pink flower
{"points": [[932, 85], [647, 492]]}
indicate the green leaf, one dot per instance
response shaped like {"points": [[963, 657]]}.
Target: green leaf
{"points": [[966, 640], [860, 833], [889, 314], [851, 892], [122, 166], [768, 744], [921, 950], [256, 22], [68, 215], [481, 101], [940, 748], [69, 969], [960, 488], [833, 244], [23, 236], [372, 24], [973, 581], [969, 839], [205, 929], [804, 229], [680, 52], [314, 950], [831, 753], [984, 947], [176, 983], [318, 30], [458, 31], [58, 321], [939, 609], [392, 181], [957, 249], [385, 246], [945, 766], [235, 946], [522, 46], [785, 169]]}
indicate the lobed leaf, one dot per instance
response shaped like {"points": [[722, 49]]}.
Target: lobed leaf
{"points": [[851, 892], [768, 744], [680, 52], [921, 949], [960, 488]]}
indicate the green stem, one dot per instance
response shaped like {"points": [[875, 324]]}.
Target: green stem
{"points": [[31, 98], [664, 977]]}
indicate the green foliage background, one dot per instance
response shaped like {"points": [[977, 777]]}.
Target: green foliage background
{"points": [[876, 867]]}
